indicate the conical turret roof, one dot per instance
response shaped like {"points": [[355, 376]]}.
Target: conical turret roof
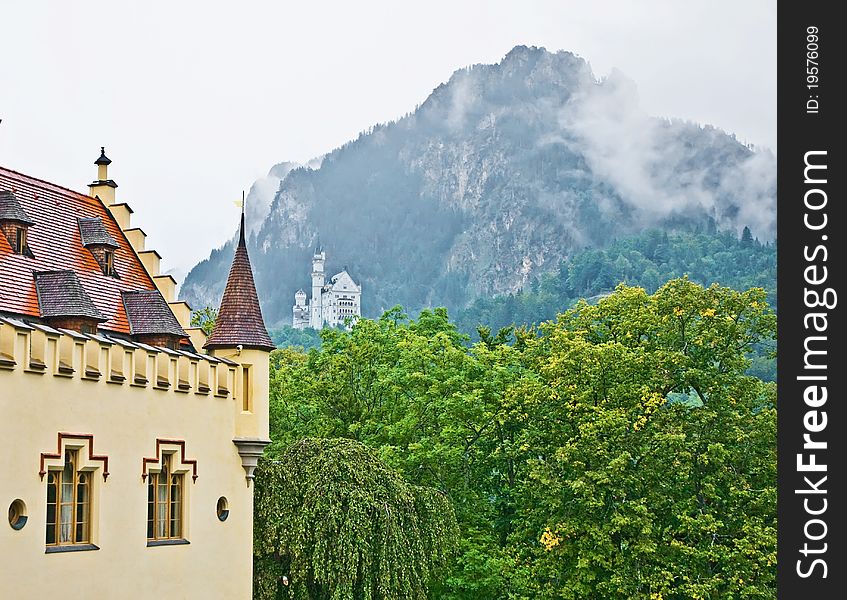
{"points": [[240, 319]]}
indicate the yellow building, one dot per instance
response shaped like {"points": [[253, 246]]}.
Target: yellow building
{"points": [[126, 451]]}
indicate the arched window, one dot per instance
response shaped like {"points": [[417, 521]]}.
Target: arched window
{"points": [[164, 502], [68, 503]]}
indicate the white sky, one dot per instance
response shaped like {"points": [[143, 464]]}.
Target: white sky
{"points": [[195, 100]]}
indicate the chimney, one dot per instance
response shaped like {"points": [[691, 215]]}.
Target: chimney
{"points": [[103, 187]]}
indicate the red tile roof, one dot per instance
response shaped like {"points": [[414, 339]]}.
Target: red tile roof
{"points": [[240, 319], [56, 245]]}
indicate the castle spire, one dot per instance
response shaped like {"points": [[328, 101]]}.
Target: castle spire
{"points": [[240, 321]]}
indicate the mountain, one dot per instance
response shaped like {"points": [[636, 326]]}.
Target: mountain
{"points": [[501, 173]]}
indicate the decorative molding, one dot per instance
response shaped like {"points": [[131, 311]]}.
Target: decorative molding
{"points": [[250, 450], [74, 436], [157, 459]]}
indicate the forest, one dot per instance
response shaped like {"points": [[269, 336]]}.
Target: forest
{"points": [[620, 449], [643, 260]]}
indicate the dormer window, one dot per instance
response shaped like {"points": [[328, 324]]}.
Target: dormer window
{"points": [[100, 243], [20, 241], [14, 223], [109, 262]]}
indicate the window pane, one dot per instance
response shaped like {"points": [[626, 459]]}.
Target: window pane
{"points": [[52, 482], [82, 533], [151, 504], [176, 506], [66, 515], [162, 513], [82, 490], [68, 481], [82, 506], [245, 389]]}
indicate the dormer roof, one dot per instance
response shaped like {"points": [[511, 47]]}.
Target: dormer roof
{"points": [[11, 209], [94, 233], [60, 294], [149, 314]]}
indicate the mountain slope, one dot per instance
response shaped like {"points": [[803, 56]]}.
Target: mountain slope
{"points": [[502, 172]]}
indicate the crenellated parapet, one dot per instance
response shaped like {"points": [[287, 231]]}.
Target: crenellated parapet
{"points": [[34, 349]]}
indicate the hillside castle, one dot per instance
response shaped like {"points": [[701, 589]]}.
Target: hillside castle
{"points": [[129, 439], [332, 302]]}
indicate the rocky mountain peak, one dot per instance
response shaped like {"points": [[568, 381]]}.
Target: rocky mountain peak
{"points": [[501, 173]]}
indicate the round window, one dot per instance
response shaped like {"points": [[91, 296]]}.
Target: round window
{"points": [[17, 514], [222, 508]]}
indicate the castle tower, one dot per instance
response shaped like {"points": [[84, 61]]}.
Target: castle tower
{"points": [[240, 336], [318, 275], [300, 298], [300, 311]]}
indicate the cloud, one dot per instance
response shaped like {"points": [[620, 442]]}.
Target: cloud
{"points": [[463, 96], [664, 168]]}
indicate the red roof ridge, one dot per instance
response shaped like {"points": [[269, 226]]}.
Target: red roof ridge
{"points": [[53, 185]]}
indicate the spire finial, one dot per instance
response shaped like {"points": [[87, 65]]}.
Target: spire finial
{"points": [[102, 159], [241, 241]]}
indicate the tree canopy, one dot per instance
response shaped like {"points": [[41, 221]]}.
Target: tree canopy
{"points": [[618, 451], [336, 523]]}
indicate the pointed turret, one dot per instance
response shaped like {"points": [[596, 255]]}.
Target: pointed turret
{"points": [[240, 336], [240, 321]]}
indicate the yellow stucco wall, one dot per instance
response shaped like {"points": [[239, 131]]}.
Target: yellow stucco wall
{"points": [[36, 404]]}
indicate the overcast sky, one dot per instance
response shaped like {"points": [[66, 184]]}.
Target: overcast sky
{"points": [[196, 100]]}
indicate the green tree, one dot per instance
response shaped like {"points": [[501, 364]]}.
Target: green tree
{"points": [[205, 319], [336, 523], [628, 493], [286, 336]]}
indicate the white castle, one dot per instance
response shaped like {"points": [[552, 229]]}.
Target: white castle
{"points": [[331, 303]]}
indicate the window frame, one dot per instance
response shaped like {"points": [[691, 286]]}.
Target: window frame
{"points": [[174, 508], [109, 263], [246, 391], [80, 524], [20, 240]]}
